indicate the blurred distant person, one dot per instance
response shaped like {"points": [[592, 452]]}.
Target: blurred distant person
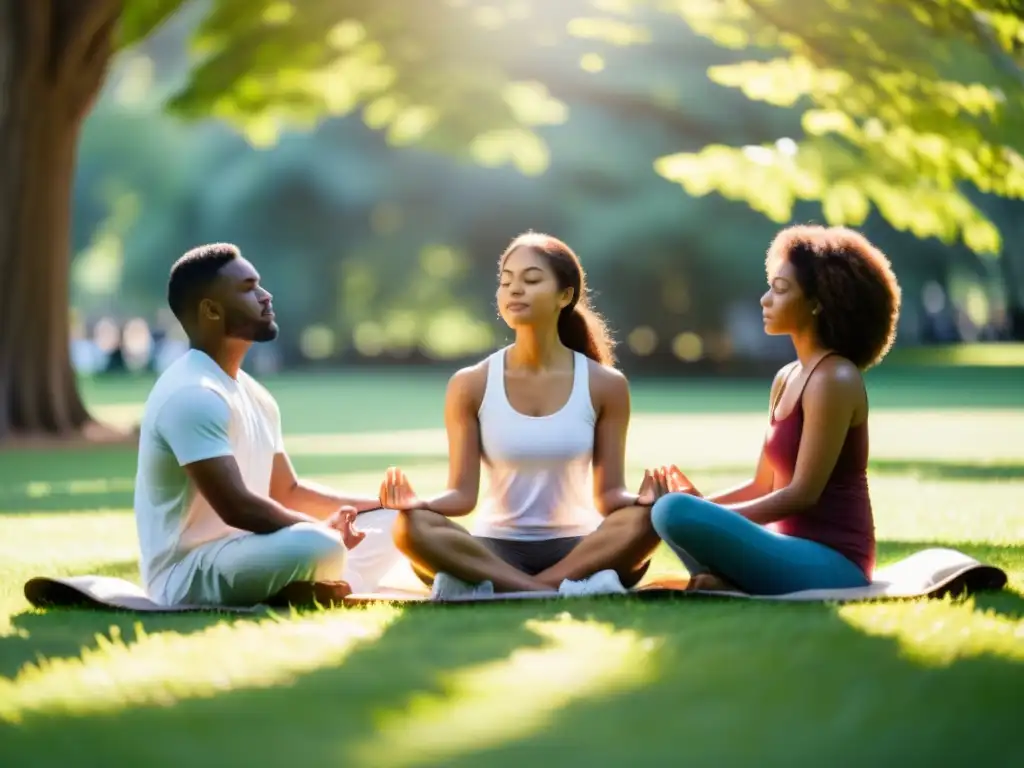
{"points": [[222, 518], [805, 520], [542, 415]]}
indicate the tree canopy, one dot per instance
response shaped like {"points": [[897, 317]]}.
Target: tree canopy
{"points": [[906, 104]]}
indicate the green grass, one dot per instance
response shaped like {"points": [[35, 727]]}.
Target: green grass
{"points": [[586, 682], [997, 354]]}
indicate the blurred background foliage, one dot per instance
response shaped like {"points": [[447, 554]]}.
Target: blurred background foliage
{"points": [[373, 158]]}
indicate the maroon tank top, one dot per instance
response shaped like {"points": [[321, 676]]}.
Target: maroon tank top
{"points": [[842, 518]]}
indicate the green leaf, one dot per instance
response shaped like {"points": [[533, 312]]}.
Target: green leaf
{"points": [[765, 178], [140, 18], [781, 82], [845, 204]]}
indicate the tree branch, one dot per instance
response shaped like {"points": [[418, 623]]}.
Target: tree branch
{"points": [[77, 25], [997, 53], [89, 79], [588, 90], [811, 50]]}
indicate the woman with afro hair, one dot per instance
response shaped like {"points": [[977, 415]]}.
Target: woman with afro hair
{"points": [[805, 519]]}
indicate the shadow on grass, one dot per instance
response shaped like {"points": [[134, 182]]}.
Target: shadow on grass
{"points": [[62, 633], [311, 718], [774, 685], [726, 683]]}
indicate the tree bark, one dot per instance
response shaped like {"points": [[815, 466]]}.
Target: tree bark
{"points": [[53, 59]]}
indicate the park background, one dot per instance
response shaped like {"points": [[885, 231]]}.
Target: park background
{"points": [[381, 251], [373, 159]]}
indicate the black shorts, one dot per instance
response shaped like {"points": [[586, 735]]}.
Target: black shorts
{"points": [[530, 557]]}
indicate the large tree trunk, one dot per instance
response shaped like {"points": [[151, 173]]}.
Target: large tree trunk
{"points": [[53, 59]]}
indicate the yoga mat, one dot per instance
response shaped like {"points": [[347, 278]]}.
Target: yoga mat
{"points": [[105, 593], [110, 593], [928, 573]]}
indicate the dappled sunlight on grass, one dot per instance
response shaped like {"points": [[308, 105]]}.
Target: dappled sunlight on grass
{"points": [[730, 439], [980, 436], [167, 667], [734, 439], [85, 487], [984, 354], [971, 510], [45, 539], [61, 544], [605, 682], [121, 415], [940, 632], [501, 701], [412, 442]]}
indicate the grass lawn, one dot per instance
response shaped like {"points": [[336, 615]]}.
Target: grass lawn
{"points": [[586, 682]]}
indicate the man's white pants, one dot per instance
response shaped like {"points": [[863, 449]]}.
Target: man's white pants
{"points": [[247, 569]]}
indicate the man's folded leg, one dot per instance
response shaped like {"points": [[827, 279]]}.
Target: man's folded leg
{"points": [[249, 569]]}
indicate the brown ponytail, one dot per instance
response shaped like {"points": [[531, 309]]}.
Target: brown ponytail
{"points": [[580, 328]]}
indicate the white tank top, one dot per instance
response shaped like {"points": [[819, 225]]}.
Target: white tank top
{"points": [[539, 467]]}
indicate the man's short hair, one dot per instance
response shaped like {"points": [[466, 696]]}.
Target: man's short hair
{"points": [[193, 273]]}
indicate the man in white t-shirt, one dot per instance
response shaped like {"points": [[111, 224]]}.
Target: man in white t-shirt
{"points": [[221, 516]]}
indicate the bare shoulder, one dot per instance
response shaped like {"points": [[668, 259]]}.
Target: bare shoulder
{"points": [[607, 384], [837, 379], [606, 377], [467, 384]]}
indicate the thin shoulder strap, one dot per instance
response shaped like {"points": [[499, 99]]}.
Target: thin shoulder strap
{"points": [[494, 386], [496, 366], [800, 395], [581, 373], [581, 394]]}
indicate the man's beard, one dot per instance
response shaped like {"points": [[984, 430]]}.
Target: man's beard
{"points": [[237, 326]]}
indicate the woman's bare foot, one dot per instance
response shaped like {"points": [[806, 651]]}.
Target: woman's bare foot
{"points": [[708, 582]]}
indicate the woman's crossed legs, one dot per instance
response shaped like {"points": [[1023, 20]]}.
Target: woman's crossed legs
{"points": [[709, 538], [435, 544]]}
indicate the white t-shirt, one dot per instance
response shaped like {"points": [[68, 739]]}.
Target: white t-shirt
{"points": [[196, 412]]}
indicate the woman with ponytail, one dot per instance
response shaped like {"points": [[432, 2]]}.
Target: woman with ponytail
{"points": [[547, 416]]}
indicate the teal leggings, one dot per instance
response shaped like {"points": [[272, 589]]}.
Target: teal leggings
{"points": [[710, 538]]}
